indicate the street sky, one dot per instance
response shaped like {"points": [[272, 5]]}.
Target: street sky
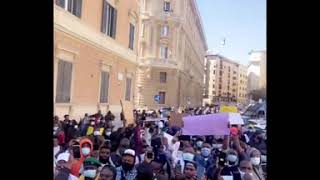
{"points": [[241, 22]]}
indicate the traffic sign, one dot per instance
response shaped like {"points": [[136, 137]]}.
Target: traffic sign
{"points": [[157, 98]]}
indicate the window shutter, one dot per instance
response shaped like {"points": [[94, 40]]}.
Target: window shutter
{"points": [[77, 8], [60, 79], [103, 87], [67, 81], [131, 36], [107, 86], [114, 24], [104, 17]]}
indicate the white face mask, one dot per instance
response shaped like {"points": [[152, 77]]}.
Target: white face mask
{"points": [[55, 128], [92, 123], [232, 158], [76, 126], [108, 133], [96, 133], [255, 161], [188, 156], [243, 173], [91, 173]]}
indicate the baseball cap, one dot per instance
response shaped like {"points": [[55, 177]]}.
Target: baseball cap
{"points": [[130, 152]]}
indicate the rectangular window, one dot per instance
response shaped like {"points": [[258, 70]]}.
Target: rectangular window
{"points": [[73, 6], [213, 92], [109, 20], [162, 97], [164, 52], [163, 77], [104, 87], [220, 87], [128, 89], [166, 6], [131, 36], [212, 86], [220, 73], [64, 82], [164, 31]]}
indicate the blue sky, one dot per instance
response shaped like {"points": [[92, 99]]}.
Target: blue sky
{"points": [[241, 22]]}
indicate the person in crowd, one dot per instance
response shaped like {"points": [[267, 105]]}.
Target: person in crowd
{"points": [[158, 169], [127, 170], [232, 168], [109, 116], [137, 137], [84, 123], [107, 133], [56, 147], [90, 129], [246, 170], [72, 131], [76, 155], [255, 159], [204, 160], [257, 141], [104, 155], [90, 169], [144, 172], [190, 171], [116, 157], [63, 167], [107, 172], [59, 133]]}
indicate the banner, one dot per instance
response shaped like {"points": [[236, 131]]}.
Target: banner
{"points": [[210, 124], [231, 109]]}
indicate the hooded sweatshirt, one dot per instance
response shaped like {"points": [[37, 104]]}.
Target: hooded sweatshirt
{"points": [[76, 166]]}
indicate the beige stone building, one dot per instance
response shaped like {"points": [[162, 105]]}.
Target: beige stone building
{"points": [[172, 46], [242, 96], [95, 56], [225, 80]]}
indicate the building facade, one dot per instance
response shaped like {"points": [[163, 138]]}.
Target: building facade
{"points": [[95, 56], [172, 46], [242, 84], [225, 80]]}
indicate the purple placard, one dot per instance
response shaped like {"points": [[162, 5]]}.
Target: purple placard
{"points": [[210, 124]]}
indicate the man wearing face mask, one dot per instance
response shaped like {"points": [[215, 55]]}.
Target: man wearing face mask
{"points": [[246, 170], [255, 159], [127, 170], [232, 168], [116, 157], [90, 172], [63, 167], [107, 133], [204, 160]]}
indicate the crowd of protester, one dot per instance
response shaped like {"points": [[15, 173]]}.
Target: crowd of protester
{"points": [[92, 149]]}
